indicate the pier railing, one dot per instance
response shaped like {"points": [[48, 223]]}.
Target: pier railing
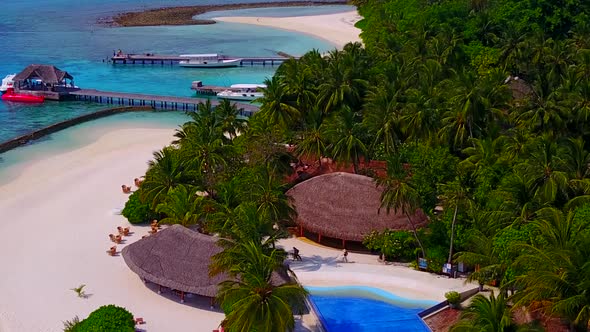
{"points": [[156, 102], [162, 59]]}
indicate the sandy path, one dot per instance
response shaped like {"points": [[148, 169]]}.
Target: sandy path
{"points": [[337, 29]]}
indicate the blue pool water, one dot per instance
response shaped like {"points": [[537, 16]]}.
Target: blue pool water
{"points": [[65, 33], [364, 309]]}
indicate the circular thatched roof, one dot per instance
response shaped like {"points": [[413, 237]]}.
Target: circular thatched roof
{"points": [[176, 257], [345, 206]]}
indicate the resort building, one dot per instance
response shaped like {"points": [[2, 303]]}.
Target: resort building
{"points": [[44, 80], [340, 207], [177, 258]]}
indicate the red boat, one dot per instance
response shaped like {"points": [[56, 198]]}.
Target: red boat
{"points": [[21, 98]]}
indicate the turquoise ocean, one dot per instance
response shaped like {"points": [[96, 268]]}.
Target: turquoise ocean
{"points": [[66, 33]]}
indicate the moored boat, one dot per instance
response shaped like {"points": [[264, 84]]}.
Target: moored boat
{"points": [[212, 60], [10, 95], [247, 92], [7, 83]]}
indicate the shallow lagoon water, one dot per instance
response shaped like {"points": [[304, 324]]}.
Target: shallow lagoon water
{"points": [[65, 33]]}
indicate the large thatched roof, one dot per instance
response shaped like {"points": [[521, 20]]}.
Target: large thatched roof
{"points": [[178, 258], [345, 206], [46, 73], [175, 257]]}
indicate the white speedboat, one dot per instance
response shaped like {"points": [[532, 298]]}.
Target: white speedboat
{"points": [[246, 92], [7, 83], [207, 61]]}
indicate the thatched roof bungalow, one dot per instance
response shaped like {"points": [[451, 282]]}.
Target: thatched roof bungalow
{"points": [[345, 206], [49, 75], [178, 258]]}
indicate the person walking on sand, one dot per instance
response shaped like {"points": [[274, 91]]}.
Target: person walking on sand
{"points": [[296, 254], [345, 255]]}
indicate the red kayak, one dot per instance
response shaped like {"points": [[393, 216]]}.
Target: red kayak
{"points": [[21, 98]]}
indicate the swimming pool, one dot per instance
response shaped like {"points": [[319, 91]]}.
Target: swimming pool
{"points": [[363, 309]]}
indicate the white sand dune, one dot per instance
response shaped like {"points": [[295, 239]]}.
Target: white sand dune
{"points": [[337, 28]]}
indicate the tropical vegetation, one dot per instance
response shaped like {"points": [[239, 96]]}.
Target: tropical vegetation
{"points": [[106, 318], [480, 111]]}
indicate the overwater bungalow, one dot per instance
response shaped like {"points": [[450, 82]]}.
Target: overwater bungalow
{"points": [[340, 209], [44, 80]]}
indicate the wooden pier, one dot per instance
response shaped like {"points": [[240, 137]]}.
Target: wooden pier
{"points": [[156, 102], [161, 59]]}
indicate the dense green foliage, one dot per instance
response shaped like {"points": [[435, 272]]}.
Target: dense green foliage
{"points": [[395, 245], [218, 182], [136, 211], [103, 319], [480, 110]]}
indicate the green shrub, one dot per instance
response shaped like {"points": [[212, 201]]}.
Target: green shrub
{"points": [[136, 211], [72, 325], [395, 245], [453, 297], [107, 318]]}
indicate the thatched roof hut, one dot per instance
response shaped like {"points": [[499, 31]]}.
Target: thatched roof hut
{"points": [[345, 206], [46, 73], [178, 258]]}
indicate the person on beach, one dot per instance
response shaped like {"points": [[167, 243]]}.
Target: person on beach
{"points": [[126, 190], [137, 182], [345, 255], [296, 254]]}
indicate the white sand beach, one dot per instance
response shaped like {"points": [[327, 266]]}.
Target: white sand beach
{"points": [[58, 210], [337, 28], [56, 217]]}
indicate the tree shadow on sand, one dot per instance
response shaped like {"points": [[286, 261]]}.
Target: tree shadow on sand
{"points": [[313, 263]]}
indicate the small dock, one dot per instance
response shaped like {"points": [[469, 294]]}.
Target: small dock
{"points": [[156, 102], [207, 90], [162, 59]]}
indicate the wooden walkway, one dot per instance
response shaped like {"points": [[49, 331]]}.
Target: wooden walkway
{"points": [[157, 102], [161, 59]]}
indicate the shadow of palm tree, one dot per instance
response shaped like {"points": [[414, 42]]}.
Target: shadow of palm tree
{"points": [[313, 263]]}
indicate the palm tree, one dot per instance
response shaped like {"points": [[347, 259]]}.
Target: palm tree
{"points": [[313, 141], [346, 143], [250, 299], [547, 169], [227, 115], [382, 114], [557, 276], [486, 314], [181, 206], [483, 255], [454, 195], [275, 104], [399, 194], [165, 172], [269, 195]]}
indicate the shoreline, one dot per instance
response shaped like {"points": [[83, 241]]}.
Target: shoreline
{"points": [[48, 130], [183, 15], [337, 29], [77, 197]]}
